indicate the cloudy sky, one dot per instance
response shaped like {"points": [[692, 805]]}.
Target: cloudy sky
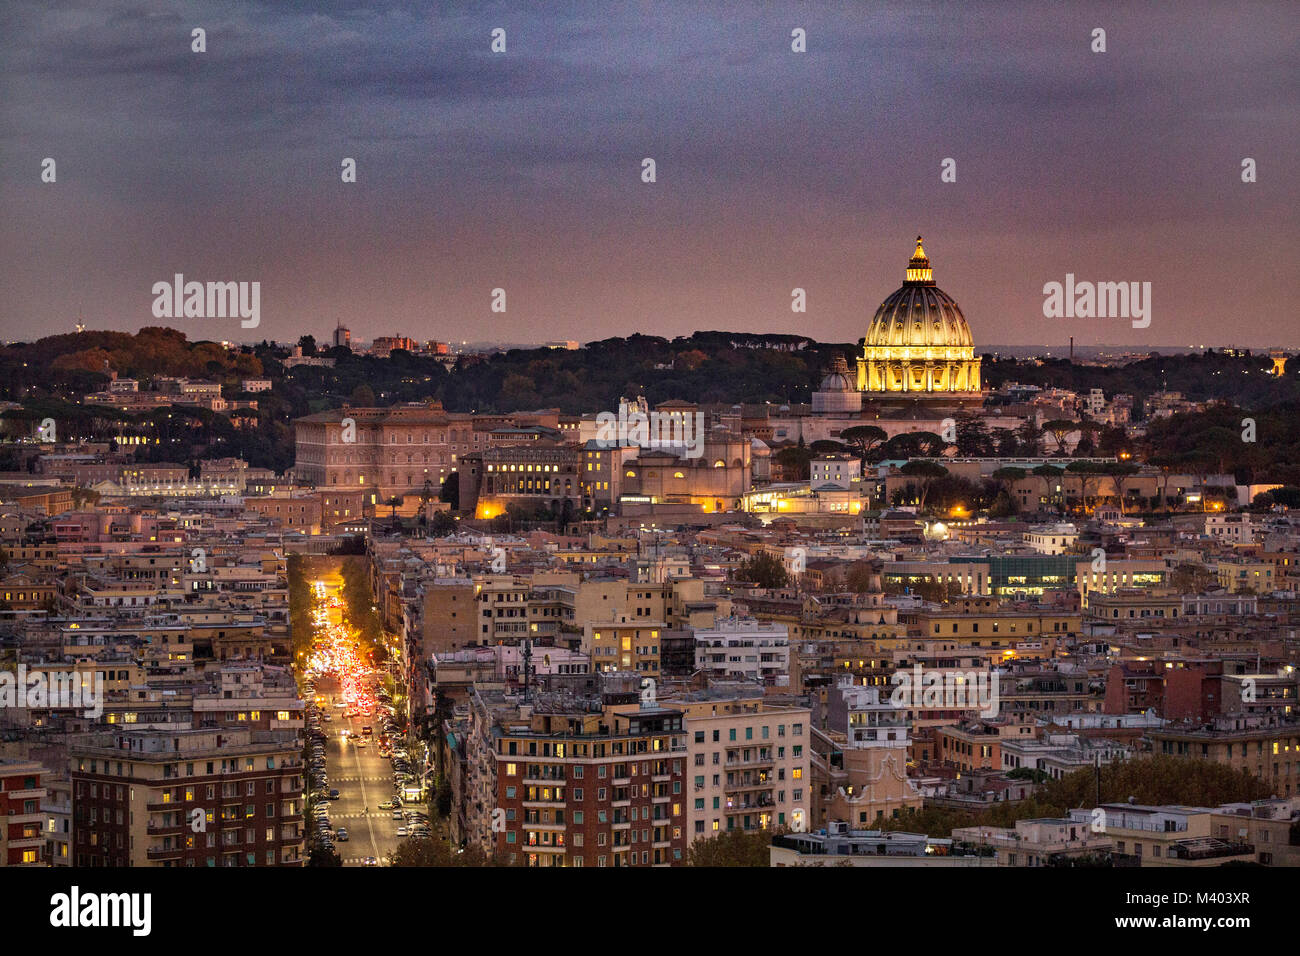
{"points": [[775, 169]]}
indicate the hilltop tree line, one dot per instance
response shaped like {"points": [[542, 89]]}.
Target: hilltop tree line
{"points": [[49, 375]]}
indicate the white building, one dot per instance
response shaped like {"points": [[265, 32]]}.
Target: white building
{"points": [[834, 472], [744, 648], [1052, 539], [1232, 528]]}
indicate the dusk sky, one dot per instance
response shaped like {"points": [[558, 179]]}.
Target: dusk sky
{"points": [[775, 169]]}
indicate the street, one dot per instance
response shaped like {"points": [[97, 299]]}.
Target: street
{"points": [[364, 780], [346, 702]]}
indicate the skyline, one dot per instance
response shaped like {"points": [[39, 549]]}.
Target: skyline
{"points": [[521, 170]]}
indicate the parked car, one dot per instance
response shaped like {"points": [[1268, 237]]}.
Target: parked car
{"points": [[343, 835]]}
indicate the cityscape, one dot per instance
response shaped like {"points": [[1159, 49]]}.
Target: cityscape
{"points": [[653, 534]]}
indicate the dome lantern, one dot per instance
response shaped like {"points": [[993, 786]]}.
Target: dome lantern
{"points": [[918, 267]]}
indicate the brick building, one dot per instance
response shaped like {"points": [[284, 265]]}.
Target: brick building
{"points": [[586, 788], [21, 841], [135, 793]]}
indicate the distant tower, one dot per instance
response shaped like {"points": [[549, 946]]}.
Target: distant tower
{"points": [[1279, 363], [342, 337]]}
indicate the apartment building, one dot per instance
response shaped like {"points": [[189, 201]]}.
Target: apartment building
{"points": [[1272, 827], [624, 645], [842, 845], [744, 649], [1052, 539], [1230, 528], [227, 797], [22, 842], [1268, 747], [1042, 842], [860, 756], [1003, 629], [1162, 836], [582, 788], [57, 810], [748, 762], [1059, 755]]}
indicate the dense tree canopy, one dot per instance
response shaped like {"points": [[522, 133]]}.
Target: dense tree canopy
{"points": [[51, 374]]}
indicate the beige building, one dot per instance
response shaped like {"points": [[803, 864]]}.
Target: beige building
{"points": [[860, 758], [624, 645], [1045, 842], [747, 763], [1268, 747], [1162, 836], [1267, 825]]}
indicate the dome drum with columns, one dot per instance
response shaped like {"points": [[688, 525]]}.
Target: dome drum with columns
{"points": [[918, 356]]}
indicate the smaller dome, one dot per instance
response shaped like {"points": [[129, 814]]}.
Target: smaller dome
{"points": [[839, 393], [837, 377]]}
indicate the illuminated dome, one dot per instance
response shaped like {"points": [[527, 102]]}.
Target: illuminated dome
{"points": [[919, 340]]}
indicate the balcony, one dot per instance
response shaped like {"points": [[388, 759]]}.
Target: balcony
{"points": [[37, 793], [749, 785], [751, 763], [160, 829], [158, 853], [541, 848], [755, 805]]}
